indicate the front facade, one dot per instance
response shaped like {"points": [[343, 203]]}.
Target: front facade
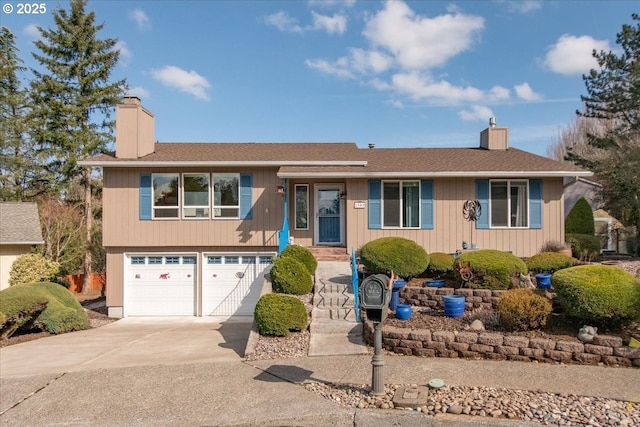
{"points": [[191, 229]]}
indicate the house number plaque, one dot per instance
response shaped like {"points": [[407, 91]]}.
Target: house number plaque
{"points": [[359, 205]]}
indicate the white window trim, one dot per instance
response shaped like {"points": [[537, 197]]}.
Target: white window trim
{"points": [[508, 226], [295, 207], [214, 207], [153, 199], [182, 192], [382, 202]]}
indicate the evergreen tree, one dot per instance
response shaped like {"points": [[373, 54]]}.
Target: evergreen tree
{"points": [[20, 176], [614, 97], [580, 219], [74, 99]]}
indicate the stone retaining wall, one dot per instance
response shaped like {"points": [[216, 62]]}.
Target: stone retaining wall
{"points": [[432, 297]]}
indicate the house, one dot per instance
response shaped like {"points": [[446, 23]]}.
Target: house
{"points": [[19, 232], [577, 187], [191, 228]]}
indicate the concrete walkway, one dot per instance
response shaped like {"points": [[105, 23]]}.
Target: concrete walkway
{"points": [[334, 330]]}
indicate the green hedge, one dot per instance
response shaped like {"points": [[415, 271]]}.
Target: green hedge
{"points": [[19, 310], [598, 293], [548, 262], [302, 254], [492, 269], [580, 219], [290, 276], [402, 256], [583, 242], [440, 263], [277, 314], [63, 312]]}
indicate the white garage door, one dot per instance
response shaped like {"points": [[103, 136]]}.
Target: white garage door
{"points": [[232, 283], [160, 285]]}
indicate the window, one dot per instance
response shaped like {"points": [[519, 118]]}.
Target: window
{"points": [[165, 195], [509, 203], [302, 207], [232, 260], [137, 260], [155, 260], [401, 204], [214, 259], [189, 260], [195, 195], [172, 260], [226, 203]]}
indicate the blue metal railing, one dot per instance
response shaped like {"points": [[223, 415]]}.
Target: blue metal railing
{"points": [[355, 284]]}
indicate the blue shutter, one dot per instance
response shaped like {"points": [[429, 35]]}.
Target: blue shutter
{"points": [[535, 203], [145, 196], [426, 200], [375, 204], [246, 202], [482, 195]]}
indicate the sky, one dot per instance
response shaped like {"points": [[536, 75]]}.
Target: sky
{"points": [[393, 73]]}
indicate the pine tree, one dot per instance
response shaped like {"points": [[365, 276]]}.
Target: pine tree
{"points": [[74, 100], [614, 97], [20, 176]]}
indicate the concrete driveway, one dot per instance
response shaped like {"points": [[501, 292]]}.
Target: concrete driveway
{"points": [[142, 341]]}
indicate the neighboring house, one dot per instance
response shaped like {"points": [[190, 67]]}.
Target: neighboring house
{"points": [[577, 187], [19, 232], [191, 228]]}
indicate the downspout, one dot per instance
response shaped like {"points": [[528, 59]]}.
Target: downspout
{"points": [[283, 234]]}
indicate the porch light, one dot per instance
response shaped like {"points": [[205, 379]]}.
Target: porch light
{"points": [[280, 190]]}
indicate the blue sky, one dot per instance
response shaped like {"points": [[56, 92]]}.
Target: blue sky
{"points": [[397, 74]]}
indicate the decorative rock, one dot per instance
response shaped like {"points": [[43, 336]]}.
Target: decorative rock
{"points": [[586, 333], [455, 409], [477, 325]]}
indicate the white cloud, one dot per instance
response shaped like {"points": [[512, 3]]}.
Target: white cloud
{"points": [[572, 55], [139, 91], [185, 81], [420, 87], [332, 3], [125, 54], [365, 61], [499, 93], [524, 91], [141, 19], [419, 42], [31, 30], [396, 103], [282, 21], [476, 113], [523, 6], [338, 68], [331, 24]]}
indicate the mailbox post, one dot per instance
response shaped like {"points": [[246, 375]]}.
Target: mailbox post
{"points": [[374, 299]]}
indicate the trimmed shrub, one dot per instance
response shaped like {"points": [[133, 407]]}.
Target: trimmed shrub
{"points": [[402, 256], [580, 219], [554, 246], [277, 314], [290, 276], [583, 244], [600, 294], [523, 309], [492, 269], [440, 264], [303, 255], [19, 311], [63, 312], [548, 262], [29, 268]]}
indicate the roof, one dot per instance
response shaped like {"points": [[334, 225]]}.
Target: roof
{"points": [[20, 224], [347, 160]]}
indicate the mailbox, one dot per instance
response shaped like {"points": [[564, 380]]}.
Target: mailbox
{"points": [[375, 297]]}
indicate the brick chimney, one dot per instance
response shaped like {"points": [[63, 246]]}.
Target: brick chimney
{"points": [[134, 129], [494, 138]]}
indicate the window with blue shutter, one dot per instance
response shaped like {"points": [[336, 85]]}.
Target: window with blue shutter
{"points": [[426, 201], [482, 195], [145, 196], [246, 202], [375, 204], [535, 203]]}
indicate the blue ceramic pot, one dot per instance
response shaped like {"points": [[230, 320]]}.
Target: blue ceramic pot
{"points": [[404, 311], [544, 281], [453, 305]]}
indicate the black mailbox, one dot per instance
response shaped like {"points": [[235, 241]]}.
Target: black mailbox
{"points": [[375, 297]]}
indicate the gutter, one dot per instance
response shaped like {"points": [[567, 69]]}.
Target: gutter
{"points": [[209, 163], [451, 174]]}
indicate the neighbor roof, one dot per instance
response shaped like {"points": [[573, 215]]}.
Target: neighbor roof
{"points": [[347, 160], [20, 224]]}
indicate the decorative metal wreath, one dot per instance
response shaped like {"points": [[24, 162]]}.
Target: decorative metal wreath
{"points": [[471, 210]]}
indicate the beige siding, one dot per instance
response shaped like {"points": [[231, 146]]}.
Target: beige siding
{"points": [[8, 254], [122, 226], [451, 229]]}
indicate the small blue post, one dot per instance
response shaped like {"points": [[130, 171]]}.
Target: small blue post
{"points": [[355, 283]]}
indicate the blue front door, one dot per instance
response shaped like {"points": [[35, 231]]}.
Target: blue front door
{"points": [[329, 215]]}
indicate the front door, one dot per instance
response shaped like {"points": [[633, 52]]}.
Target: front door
{"points": [[329, 221]]}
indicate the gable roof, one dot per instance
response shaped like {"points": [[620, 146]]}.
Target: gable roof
{"points": [[347, 160], [20, 224]]}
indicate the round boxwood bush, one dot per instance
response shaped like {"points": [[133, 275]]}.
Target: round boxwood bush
{"points": [[63, 312], [277, 314], [523, 309], [402, 256], [29, 268], [600, 294], [492, 269], [548, 262], [440, 264], [290, 276], [303, 255]]}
